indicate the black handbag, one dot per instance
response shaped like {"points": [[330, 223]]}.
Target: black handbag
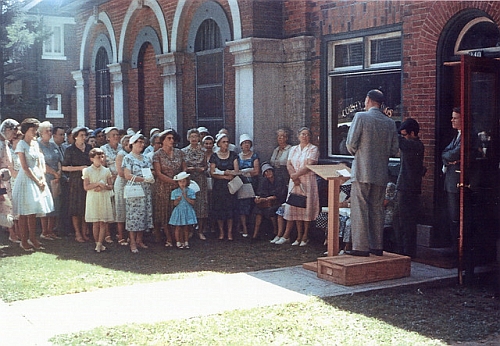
{"points": [[297, 200]]}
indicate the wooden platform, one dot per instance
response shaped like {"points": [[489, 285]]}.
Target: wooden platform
{"points": [[351, 270]]}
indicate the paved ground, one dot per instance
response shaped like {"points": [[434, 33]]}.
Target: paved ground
{"points": [[33, 322]]}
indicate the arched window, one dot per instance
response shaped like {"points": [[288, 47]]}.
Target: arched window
{"points": [[209, 76], [103, 89]]}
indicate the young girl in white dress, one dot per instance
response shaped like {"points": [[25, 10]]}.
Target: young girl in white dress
{"points": [[97, 181], [183, 214]]}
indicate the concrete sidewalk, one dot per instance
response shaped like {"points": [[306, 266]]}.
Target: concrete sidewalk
{"points": [[33, 322]]}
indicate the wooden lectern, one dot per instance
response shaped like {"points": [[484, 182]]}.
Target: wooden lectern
{"points": [[331, 174]]}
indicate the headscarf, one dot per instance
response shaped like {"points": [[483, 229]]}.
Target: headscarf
{"points": [[6, 125]]}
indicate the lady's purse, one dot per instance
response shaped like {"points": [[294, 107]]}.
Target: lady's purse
{"points": [[297, 200], [132, 190]]}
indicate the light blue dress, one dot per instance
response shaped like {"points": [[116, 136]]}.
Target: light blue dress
{"points": [[27, 198], [183, 214]]}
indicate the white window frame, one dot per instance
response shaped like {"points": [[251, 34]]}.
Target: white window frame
{"points": [[50, 24], [331, 52], [54, 113], [368, 50]]}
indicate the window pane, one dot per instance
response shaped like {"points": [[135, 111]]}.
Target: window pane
{"points": [[53, 104], [349, 54], [209, 68], [57, 39], [348, 97], [385, 50], [210, 102]]}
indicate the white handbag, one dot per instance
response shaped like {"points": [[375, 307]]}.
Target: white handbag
{"points": [[132, 190], [234, 185]]}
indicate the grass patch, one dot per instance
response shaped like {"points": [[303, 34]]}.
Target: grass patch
{"points": [[315, 322], [41, 274]]}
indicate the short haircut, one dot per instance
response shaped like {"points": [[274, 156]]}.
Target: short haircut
{"points": [[95, 151], [191, 131], [28, 123], [457, 110]]}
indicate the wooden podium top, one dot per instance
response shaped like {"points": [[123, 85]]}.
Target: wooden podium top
{"points": [[330, 171]]}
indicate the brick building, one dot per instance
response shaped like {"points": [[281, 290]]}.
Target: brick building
{"points": [[253, 66]]}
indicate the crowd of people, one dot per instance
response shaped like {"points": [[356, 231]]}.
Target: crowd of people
{"points": [[87, 180]]}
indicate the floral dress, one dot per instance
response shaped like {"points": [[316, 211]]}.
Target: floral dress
{"points": [[298, 158], [184, 213], [27, 197], [195, 158], [6, 161], [224, 203], [111, 157], [170, 166], [139, 210]]}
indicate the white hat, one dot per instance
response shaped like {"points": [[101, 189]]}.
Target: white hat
{"points": [[109, 129], [202, 129], [245, 137], [164, 132], [219, 137], [135, 137], [181, 176], [79, 128], [153, 130], [130, 131]]}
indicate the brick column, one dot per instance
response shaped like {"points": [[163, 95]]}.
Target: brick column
{"points": [[172, 89]]}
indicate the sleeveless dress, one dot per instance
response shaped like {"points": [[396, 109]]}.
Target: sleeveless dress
{"points": [[224, 203], [27, 197], [98, 207], [246, 205], [183, 214]]}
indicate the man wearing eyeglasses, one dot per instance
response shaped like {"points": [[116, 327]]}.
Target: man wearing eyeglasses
{"points": [[409, 187]]}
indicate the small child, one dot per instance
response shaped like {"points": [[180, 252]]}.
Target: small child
{"points": [[97, 181], [183, 214]]}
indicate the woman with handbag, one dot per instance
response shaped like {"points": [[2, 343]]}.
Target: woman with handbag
{"points": [[249, 166], [279, 158], [139, 207], [52, 176], [119, 186], [302, 186], [223, 168], [196, 166]]}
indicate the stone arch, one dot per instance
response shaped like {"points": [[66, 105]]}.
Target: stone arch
{"points": [[104, 18], [101, 41], [210, 9], [155, 7], [147, 34]]}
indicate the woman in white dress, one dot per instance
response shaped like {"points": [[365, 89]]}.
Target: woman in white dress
{"points": [[31, 195]]}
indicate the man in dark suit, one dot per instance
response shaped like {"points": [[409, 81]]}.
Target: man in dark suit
{"points": [[451, 170], [372, 139]]}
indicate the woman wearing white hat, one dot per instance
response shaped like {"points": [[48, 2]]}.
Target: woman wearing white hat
{"points": [[139, 210], [76, 158], [223, 168], [249, 165]]}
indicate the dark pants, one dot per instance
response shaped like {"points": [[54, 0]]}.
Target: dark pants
{"points": [[406, 228], [453, 202]]}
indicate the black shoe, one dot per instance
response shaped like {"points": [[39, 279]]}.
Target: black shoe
{"points": [[377, 252], [358, 253]]}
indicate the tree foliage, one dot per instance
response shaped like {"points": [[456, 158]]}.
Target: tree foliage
{"points": [[19, 35]]}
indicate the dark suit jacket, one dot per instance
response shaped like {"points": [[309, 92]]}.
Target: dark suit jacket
{"points": [[452, 154]]}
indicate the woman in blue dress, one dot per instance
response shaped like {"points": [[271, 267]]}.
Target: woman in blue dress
{"points": [[249, 165], [31, 195], [183, 214]]}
